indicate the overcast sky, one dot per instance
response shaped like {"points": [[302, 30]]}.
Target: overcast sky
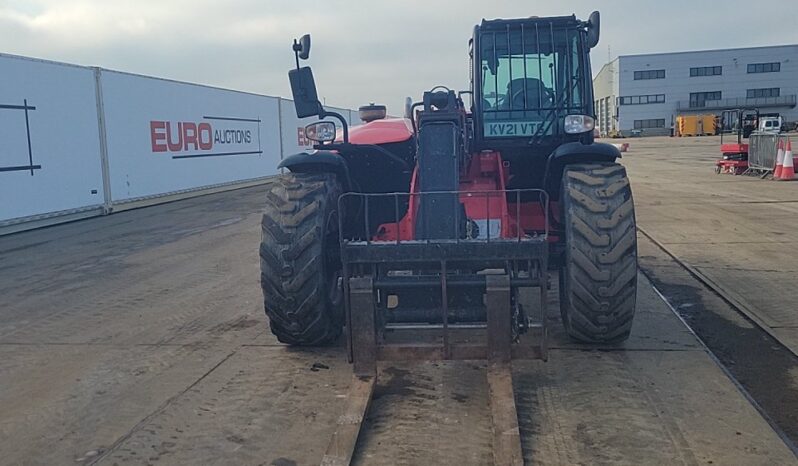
{"points": [[362, 50]]}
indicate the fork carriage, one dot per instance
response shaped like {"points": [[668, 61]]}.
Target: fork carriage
{"points": [[463, 294]]}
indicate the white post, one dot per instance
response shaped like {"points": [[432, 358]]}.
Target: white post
{"points": [[107, 204]]}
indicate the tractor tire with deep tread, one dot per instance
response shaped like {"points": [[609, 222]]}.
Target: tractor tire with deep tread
{"points": [[598, 281], [299, 259]]}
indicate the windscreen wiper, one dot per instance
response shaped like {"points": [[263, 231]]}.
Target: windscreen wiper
{"points": [[548, 119], [558, 109]]}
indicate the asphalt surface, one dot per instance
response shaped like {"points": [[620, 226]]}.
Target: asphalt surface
{"points": [[139, 338]]}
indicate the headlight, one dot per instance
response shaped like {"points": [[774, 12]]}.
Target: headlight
{"points": [[575, 124], [322, 131]]}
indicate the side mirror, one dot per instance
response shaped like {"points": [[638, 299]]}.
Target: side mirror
{"points": [[321, 131], [593, 29], [303, 88], [302, 47]]}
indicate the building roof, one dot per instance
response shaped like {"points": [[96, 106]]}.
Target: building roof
{"points": [[708, 50], [606, 65]]}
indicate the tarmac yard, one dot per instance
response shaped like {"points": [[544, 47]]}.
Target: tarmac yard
{"points": [[140, 338]]}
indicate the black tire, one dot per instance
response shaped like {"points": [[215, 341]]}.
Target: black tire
{"points": [[300, 261], [598, 281]]}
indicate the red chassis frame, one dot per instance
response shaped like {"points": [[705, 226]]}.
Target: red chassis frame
{"points": [[480, 189]]}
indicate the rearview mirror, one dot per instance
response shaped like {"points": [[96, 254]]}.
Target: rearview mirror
{"points": [[303, 88], [593, 29], [302, 48], [321, 131]]}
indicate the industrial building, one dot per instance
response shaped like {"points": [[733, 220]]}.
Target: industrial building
{"points": [[643, 94]]}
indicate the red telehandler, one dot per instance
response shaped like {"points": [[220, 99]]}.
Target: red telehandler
{"points": [[417, 235]]}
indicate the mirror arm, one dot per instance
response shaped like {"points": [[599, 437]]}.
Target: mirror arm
{"points": [[296, 52], [324, 114], [298, 47]]}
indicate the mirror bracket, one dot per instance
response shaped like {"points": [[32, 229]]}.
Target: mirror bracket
{"points": [[301, 48], [303, 88], [344, 125], [296, 48]]}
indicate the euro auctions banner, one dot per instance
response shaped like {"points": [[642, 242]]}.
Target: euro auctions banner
{"points": [[213, 136], [165, 136]]}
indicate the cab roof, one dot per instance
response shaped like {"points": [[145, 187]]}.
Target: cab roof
{"points": [[495, 24]]}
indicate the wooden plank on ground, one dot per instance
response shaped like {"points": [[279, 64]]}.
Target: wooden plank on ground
{"points": [[506, 435], [342, 444]]}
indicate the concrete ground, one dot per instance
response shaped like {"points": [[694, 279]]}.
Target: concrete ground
{"points": [[139, 338], [739, 232]]}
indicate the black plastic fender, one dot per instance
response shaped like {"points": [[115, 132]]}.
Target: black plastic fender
{"points": [[319, 161], [595, 152], [575, 152]]}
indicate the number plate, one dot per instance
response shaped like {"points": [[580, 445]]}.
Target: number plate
{"points": [[509, 129]]}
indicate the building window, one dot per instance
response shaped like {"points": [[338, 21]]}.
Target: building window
{"points": [[764, 67], [649, 74], [761, 93], [642, 99], [706, 71], [698, 99], [652, 123]]}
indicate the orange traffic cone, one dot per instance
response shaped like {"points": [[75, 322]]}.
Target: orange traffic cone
{"points": [[788, 167], [779, 161]]}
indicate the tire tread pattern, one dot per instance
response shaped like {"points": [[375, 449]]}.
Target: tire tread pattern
{"points": [[292, 259], [598, 284]]}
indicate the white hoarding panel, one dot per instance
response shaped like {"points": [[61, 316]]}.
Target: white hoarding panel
{"points": [[166, 136], [49, 139], [293, 128]]}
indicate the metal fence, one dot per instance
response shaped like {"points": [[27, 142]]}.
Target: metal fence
{"points": [[762, 149]]}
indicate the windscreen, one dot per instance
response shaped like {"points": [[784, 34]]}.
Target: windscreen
{"points": [[530, 75]]}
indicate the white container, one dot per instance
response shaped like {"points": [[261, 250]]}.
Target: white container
{"points": [[166, 137], [49, 141]]}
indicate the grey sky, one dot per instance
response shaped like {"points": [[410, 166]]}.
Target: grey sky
{"points": [[362, 50]]}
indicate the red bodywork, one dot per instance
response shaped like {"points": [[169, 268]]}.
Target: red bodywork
{"points": [[383, 131], [731, 162], [733, 149], [481, 187]]}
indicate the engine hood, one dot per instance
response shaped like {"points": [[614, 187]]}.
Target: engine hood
{"points": [[383, 131]]}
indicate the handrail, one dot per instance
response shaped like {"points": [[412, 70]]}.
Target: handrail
{"points": [[414, 198]]}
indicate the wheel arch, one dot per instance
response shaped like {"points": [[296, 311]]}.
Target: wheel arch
{"points": [[573, 153], [320, 161]]}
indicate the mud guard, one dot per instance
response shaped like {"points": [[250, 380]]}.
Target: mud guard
{"points": [[320, 161], [575, 152]]}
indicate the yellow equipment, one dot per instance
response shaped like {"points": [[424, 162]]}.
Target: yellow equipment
{"points": [[695, 125]]}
